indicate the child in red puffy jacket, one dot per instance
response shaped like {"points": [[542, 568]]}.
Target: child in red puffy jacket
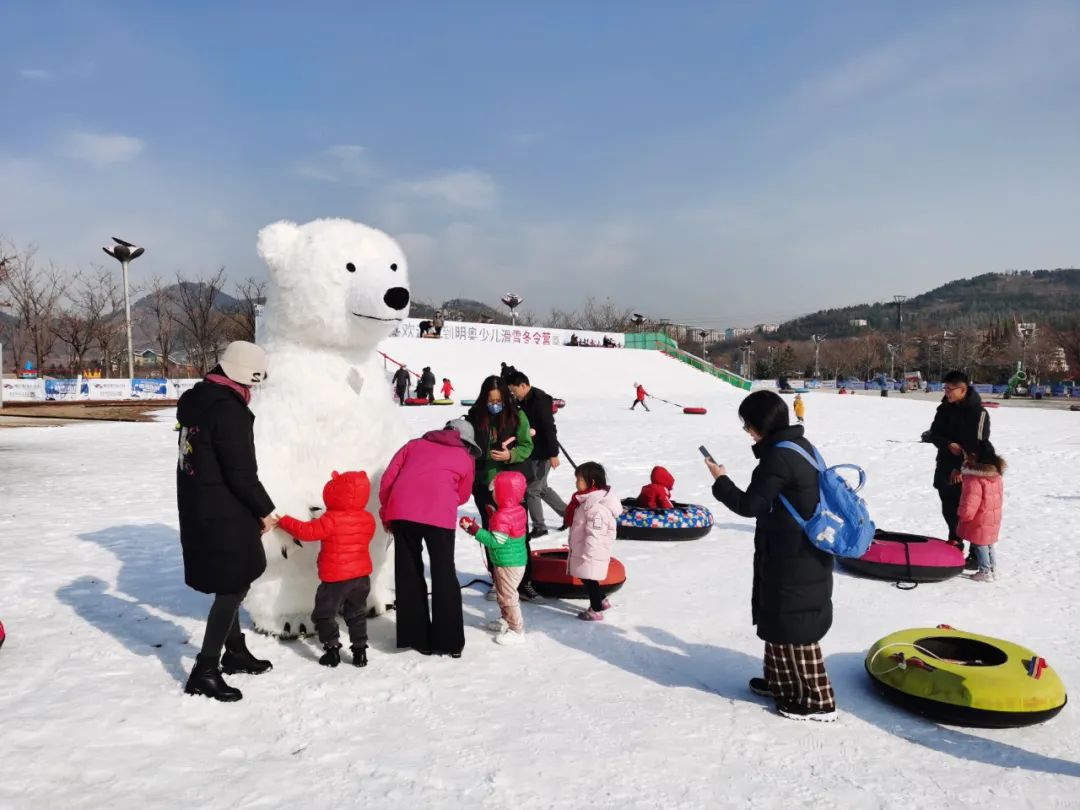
{"points": [[447, 388], [981, 502], [657, 493], [345, 530]]}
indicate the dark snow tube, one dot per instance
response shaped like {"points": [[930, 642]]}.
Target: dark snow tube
{"points": [[550, 578], [468, 402], [684, 521], [694, 410], [907, 558]]}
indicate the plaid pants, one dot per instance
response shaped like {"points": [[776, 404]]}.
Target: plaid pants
{"points": [[796, 673]]}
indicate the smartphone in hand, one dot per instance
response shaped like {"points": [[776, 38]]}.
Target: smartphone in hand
{"points": [[706, 454]]}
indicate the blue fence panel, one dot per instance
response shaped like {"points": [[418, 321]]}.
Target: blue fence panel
{"points": [[149, 388]]}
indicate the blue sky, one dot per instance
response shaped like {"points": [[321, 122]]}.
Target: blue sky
{"points": [[713, 163]]}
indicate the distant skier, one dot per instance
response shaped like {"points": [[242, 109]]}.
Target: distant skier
{"points": [[640, 398], [401, 383]]}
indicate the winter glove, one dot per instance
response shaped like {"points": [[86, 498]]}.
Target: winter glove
{"points": [[469, 525]]}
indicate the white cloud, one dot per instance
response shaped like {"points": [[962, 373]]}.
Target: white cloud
{"points": [[344, 163], [99, 150], [36, 74], [460, 189]]}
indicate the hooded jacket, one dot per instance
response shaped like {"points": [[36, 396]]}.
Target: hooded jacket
{"points": [[505, 537], [538, 407], [592, 533], [427, 480], [657, 494], [965, 423], [981, 503], [219, 497], [791, 601], [345, 530]]}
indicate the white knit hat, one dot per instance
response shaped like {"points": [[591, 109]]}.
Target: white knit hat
{"points": [[244, 362]]}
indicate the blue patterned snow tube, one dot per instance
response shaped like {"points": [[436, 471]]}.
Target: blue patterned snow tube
{"points": [[685, 521]]}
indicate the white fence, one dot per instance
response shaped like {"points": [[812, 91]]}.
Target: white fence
{"points": [[82, 388]]}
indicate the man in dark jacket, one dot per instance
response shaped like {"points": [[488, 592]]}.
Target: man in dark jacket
{"points": [[959, 424], [223, 510], [426, 386], [401, 383], [791, 602], [545, 456]]}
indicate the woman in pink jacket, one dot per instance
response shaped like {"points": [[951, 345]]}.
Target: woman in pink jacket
{"points": [[421, 490], [591, 516], [981, 501]]}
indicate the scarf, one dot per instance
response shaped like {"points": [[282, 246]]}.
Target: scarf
{"points": [[571, 507], [221, 379]]}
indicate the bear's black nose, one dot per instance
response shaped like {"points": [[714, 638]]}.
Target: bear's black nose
{"points": [[396, 298]]}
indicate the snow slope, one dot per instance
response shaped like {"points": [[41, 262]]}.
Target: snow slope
{"points": [[647, 710]]}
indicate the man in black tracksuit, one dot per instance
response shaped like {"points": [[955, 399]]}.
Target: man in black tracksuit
{"points": [[538, 407], [426, 387], [401, 384], [960, 422]]}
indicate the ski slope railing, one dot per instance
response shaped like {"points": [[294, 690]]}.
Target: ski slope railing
{"points": [[664, 344], [387, 358]]}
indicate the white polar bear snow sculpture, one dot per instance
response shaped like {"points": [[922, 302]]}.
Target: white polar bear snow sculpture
{"points": [[338, 288]]}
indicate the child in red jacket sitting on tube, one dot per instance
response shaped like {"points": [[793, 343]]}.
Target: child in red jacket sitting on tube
{"points": [[657, 493], [344, 563]]}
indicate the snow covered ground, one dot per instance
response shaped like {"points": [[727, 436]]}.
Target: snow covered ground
{"points": [[648, 709]]}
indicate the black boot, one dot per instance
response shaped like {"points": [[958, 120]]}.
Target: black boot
{"points": [[239, 660], [205, 679], [359, 656], [332, 656]]}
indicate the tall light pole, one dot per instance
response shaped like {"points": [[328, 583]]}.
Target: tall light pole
{"points": [[892, 347], [817, 355], [126, 253], [746, 357], [638, 320], [513, 301], [899, 301], [703, 334]]}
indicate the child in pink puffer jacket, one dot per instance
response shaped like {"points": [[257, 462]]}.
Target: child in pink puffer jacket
{"points": [[591, 516], [981, 502]]}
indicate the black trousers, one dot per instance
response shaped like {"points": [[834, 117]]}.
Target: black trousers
{"points": [[443, 628], [483, 498], [401, 393], [596, 594], [640, 402], [348, 598], [222, 624], [950, 506]]}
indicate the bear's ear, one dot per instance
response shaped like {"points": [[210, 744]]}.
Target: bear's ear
{"points": [[335, 475], [276, 242]]}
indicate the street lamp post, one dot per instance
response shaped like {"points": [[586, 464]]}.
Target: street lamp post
{"points": [[892, 347], [125, 253], [513, 301], [899, 301], [817, 355]]}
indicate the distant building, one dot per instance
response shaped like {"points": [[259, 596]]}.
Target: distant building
{"points": [[857, 322], [767, 328], [735, 332], [1057, 364]]}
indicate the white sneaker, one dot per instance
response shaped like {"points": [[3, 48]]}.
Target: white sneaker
{"points": [[510, 638], [498, 626], [491, 596]]}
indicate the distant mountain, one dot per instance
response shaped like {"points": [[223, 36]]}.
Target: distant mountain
{"points": [[222, 300], [458, 309], [1044, 296]]}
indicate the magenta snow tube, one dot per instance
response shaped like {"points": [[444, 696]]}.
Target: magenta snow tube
{"points": [[907, 558]]}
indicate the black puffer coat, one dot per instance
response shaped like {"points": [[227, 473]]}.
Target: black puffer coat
{"points": [[218, 492], [538, 407], [965, 423], [792, 596]]}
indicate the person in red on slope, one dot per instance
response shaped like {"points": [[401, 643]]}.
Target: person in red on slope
{"points": [[640, 399], [447, 388], [657, 493], [344, 563]]}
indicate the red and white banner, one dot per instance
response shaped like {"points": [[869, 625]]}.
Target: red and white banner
{"points": [[506, 334]]}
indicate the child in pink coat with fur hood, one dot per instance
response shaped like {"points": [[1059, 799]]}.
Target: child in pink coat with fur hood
{"points": [[591, 516], [981, 502]]}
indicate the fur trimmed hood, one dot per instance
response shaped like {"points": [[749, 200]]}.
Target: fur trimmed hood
{"points": [[985, 470]]}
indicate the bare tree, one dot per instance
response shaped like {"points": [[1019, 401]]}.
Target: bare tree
{"points": [[202, 327], [110, 326], [77, 324], [250, 295], [157, 312], [1067, 336], [34, 294], [603, 316]]}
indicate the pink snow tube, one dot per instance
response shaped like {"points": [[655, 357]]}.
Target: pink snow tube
{"points": [[907, 558]]}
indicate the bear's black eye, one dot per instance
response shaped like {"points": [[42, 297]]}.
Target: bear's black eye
{"points": [[393, 267], [350, 267]]}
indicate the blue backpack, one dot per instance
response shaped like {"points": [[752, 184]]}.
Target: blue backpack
{"points": [[841, 524]]}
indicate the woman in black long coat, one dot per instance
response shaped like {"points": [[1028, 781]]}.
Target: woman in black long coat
{"points": [[792, 596], [224, 510]]}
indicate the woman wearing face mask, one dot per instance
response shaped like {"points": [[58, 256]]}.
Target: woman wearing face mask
{"points": [[505, 439]]}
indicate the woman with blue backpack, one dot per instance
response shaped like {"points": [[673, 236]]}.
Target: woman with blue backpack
{"points": [[791, 602]]}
